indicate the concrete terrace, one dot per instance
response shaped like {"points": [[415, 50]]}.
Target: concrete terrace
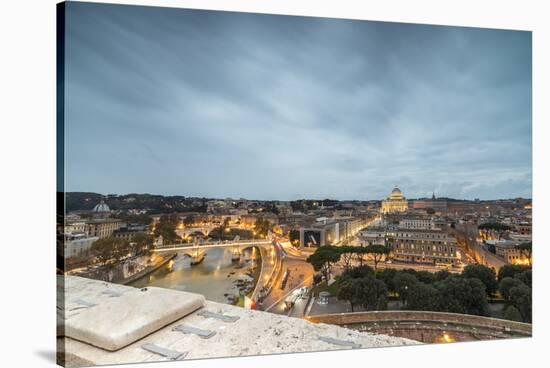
{"points": [[243, 332]]}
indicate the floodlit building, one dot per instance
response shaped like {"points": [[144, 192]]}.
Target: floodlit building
{"points": [[395, 203], [423, 246]]}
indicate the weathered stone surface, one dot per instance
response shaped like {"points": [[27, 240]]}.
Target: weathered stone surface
{"points": [[254, 333], [111, 316]]}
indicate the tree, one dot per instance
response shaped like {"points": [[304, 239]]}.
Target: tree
{"points": [[262, 227], [421, 296], [483, 273], [525, 250], [294, 236], [347, 252], [189, 220], [360, 253], [512, 313], [521, 298], [377, 253], [143, 242], [403, 281], [109, 249], [323, 259], [441, 275], [357, 272], [425, 277], [526, 277], [367, 292], [387, 275], [510, 271], [498, 227], [463, 295], [351, 290], [224, 227], [506, 284], [166, 227]]}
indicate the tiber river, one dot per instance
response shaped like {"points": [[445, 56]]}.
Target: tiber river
{"points": [[213, 277]]}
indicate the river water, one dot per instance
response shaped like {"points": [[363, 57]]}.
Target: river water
{"points": [[215, 276]]}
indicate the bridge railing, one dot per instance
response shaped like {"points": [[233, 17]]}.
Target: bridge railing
{"points": [[222, 243]]}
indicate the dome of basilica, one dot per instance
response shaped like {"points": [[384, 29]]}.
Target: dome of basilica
{"points": [[101, 207], [396, 193]]}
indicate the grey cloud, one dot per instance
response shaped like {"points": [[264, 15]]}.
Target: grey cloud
{"points": [[219, 104]]}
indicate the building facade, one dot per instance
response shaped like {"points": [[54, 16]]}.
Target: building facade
{"points": [[423, 246], [395, 203]]}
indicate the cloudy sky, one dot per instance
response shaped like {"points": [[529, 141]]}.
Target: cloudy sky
{"points": [[219, 104]]}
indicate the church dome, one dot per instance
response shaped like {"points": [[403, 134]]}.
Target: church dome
{"points": [[101, 207], [396, 193]]}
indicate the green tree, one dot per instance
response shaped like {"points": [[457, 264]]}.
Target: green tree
{"points": [[360, 254], [512, 313], [526, 277], [143, 243], [110, 249], [483, 273], [377, 253], [323, 258], [347, 252], [421, 296], [358, 272], [425, 277], [367, 292], [166, 227], [510, 271], [521, 298], [387, 275], [463, 295], [506, 284], [403, 281], [441, 275], [351, 290]]}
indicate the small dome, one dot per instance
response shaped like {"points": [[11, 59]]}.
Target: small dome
{"points": [[396, 190], [101, 207]]}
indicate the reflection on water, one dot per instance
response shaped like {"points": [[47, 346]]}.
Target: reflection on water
{"points": [[213, 277]]}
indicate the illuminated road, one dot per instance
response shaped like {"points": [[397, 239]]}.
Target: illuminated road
{"points": [[301, 275], [466, 236]]}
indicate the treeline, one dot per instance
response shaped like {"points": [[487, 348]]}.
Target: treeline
{"points": [[466, 293], [155, 204]]}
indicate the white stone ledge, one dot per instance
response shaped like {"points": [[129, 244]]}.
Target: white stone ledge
{"points": [[254, 333]]}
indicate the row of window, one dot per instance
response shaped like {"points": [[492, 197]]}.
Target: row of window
{"points": [[434, 248]]}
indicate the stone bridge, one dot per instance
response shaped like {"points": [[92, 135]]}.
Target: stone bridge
{"points": [[197, 251]]}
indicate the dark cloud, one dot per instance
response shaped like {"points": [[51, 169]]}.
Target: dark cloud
{"points": [[223, 104]]}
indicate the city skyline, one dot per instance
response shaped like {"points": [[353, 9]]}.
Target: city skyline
{"points": [[221, 104], [366, 199]]}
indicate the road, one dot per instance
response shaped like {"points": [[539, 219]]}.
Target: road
{"points": [[301, 275], [466, 237]]}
